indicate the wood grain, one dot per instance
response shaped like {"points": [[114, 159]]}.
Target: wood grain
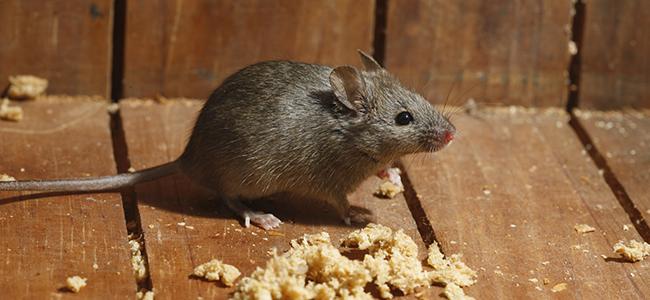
{"points": [[186, 48], [508, 193], [48, 237], [623, 139], [615, 64], [508, 52], [66, 41], [156, 133]]}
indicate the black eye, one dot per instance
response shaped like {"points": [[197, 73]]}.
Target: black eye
{"points": [[404, 118]]}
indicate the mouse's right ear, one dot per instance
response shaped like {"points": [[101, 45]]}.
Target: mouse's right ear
{"points": [[349, 87]]}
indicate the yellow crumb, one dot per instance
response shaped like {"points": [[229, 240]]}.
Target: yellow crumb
{"points": [[388, 190], [10, 113], [216, 270], [5, 177], [559, 287], [583, 228], [26, 87], [634, 251], [454, 292], [144, 295], [451, 269], [137, 260], [75, 283]]}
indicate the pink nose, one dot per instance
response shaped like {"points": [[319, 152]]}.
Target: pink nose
{"points": [[448, 137]]}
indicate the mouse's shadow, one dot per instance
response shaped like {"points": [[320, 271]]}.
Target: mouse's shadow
{"points": [[178, 194]]}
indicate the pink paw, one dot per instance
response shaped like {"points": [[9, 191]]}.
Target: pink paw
{"points": [[263, 220]]}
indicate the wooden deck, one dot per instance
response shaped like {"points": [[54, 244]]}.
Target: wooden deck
{"points": [[506, 194]]}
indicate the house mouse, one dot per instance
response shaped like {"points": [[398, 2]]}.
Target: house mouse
{"points": [[307, 130]]}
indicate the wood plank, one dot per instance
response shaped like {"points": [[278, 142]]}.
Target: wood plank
{"points": [[157, 133], [67, 42], [48, 237], [508, 193], [615, 64], [495, 52], [623, 139], [186, 48]]}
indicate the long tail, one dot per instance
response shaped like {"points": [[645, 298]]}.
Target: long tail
{"points": [[105, 183]]}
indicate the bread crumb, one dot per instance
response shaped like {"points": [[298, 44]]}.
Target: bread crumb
{"points": [[216, 270], [634, 251], [6, 178], [137, 261], [546, 281], [144, 295], [391, 188], [454, 292], [626, 227], [75, 283], [10, 113], [388, 190], [583, 228], [451, 269], [26, 86], [113, 108], [559, 287]]}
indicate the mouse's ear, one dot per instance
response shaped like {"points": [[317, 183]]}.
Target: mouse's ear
{"points": [[368, 62], [349, 87]]}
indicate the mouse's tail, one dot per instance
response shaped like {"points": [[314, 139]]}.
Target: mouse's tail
{"points": [[105, 183]]}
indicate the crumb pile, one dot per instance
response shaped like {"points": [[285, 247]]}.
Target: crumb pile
{"points": [[634, 251], [75, 283], [391, 188], [137, 261], [26, 87], [10, 113], [216, 270], [315, 269]]}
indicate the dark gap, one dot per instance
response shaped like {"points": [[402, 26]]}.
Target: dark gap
{"points": [[379, 41], [417, 211], [617, 188], [577, 30], [120, 150]]}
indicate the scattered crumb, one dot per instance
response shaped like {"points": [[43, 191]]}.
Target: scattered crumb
{"points": [[75, 283], [131, 170], [450, 269], [559, 287], [216, 270], [634, 251], [181, 223], [454, 292], [137, 261], [533, 280], [144, 295], [26, 87], [10, 113], [388, 190], [626, 227], [95, 266], [546, 281], [113, 108], [189, 227], [573, 48], [583, 228], [5, 177]]}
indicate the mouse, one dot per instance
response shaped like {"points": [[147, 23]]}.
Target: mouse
{"points": [[285, 127]]}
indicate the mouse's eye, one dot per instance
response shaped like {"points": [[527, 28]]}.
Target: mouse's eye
{"points": [[404, 118]]}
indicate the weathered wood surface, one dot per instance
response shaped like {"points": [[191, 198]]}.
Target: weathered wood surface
{"points": [[493, 51], [67, 42], [615, 65], [186, 48], [508, 193], [46, 238], [157, 133], [623, 139]]}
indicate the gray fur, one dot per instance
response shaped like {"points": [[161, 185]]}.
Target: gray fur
{"points": [[279, 127]]}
